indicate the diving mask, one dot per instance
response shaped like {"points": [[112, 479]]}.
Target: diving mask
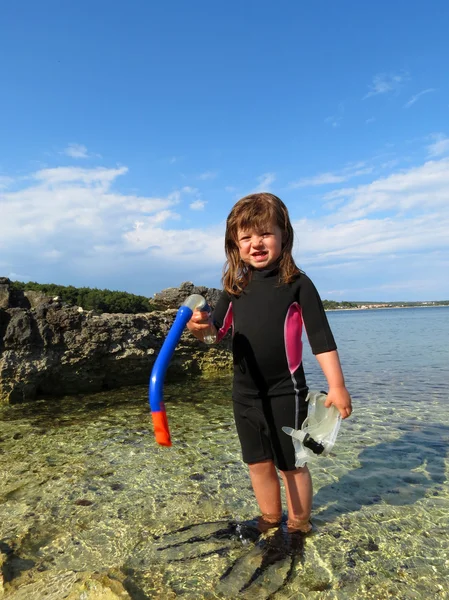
{"points": [[318, 432]]}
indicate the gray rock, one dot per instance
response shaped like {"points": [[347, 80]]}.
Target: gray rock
{"points": [[55, 350], [5, 293], [174, 297]]}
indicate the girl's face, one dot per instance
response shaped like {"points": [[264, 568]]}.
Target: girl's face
{"points": [[260, 249]]}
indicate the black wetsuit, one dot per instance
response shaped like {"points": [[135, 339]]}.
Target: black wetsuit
{"points": [[269, 386]]}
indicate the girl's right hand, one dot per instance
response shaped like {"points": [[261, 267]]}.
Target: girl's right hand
{"points": [[199, 321]]}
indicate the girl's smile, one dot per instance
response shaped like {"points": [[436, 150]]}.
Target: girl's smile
{"points": [[260, 249]]}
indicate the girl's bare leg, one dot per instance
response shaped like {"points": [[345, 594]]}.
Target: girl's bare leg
{"points": [[267, 489], [299, 492]]}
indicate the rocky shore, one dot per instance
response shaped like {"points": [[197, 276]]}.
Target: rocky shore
{"points": [[47, 348]]}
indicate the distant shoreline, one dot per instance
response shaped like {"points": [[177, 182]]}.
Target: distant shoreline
{"points": [[387, 307]]}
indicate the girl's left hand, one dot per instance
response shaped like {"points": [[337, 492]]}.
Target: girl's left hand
{"points": [[340, 398]]}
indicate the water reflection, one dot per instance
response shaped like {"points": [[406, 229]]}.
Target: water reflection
{"points": [[397, 472], [88, 490]]}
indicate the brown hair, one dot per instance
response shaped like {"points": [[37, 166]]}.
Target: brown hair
{"points": [[256, 212]]}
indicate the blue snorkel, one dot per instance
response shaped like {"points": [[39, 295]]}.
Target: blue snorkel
{"points": [[156, 387]]}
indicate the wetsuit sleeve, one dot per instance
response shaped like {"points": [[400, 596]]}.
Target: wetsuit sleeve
{"points": [[222, 314], [314, 317]]}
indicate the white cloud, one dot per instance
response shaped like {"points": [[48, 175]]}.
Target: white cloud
{"points": [[70, 218], [419, 188], [70, 215], [364, 238], [176, 245], [439, 146], [410, 286], [370, 120], [63, 204], [386, 83], [390, 229], [197, 205], [416, 97]]}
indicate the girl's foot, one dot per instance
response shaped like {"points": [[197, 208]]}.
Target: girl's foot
{"points": [[267, 521], [302, 526]]}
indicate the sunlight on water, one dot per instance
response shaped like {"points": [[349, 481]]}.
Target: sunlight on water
{"points": [[83, 487]]}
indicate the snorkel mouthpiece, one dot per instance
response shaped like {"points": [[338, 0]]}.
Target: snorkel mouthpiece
{"points": [[318, 432], [310, 443]]}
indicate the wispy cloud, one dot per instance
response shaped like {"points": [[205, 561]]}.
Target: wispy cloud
{"points": [[83, 176], [386, 83], [264, 182], [78, 151], [207, 175], [370, 120], [18, 277], [416, 97], [439, 146], [328, 178], [336, 120], [188, 189], [5, 182], [198, 205]]}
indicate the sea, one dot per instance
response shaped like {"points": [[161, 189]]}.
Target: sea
{"points": [[86, 492]]}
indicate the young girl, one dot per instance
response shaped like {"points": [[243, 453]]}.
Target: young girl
{"points": [[266, 299]]}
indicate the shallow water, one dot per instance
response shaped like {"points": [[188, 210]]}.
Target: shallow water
{"points": [[83, 486]]}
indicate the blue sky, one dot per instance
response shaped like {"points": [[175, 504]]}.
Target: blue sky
{"points": [[128, 131]]}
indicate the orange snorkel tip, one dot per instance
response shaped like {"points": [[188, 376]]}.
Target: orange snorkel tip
{"points": [[160, 422], [161, 430]]}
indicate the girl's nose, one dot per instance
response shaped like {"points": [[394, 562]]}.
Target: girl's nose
{"points": [[257, 240]]}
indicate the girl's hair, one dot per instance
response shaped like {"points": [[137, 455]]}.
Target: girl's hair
{"points": [[256, 212]]}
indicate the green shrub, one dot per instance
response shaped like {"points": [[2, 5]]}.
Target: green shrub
{"points": [[105, 301]]}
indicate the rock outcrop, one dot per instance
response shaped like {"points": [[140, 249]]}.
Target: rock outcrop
{"points": [[47, 348], [174, 297]]}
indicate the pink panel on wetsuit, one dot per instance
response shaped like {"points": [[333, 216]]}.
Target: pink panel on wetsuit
{"points": [[227, 322], [292, 336]]}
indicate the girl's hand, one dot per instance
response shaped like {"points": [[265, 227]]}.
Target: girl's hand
{"points": [[199, 321], [340, 398]]}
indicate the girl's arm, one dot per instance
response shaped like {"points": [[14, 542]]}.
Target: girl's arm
{"points": [[338, 395]]}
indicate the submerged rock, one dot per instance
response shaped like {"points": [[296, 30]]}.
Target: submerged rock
{"points": [[52, 349], [71, 585]]}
